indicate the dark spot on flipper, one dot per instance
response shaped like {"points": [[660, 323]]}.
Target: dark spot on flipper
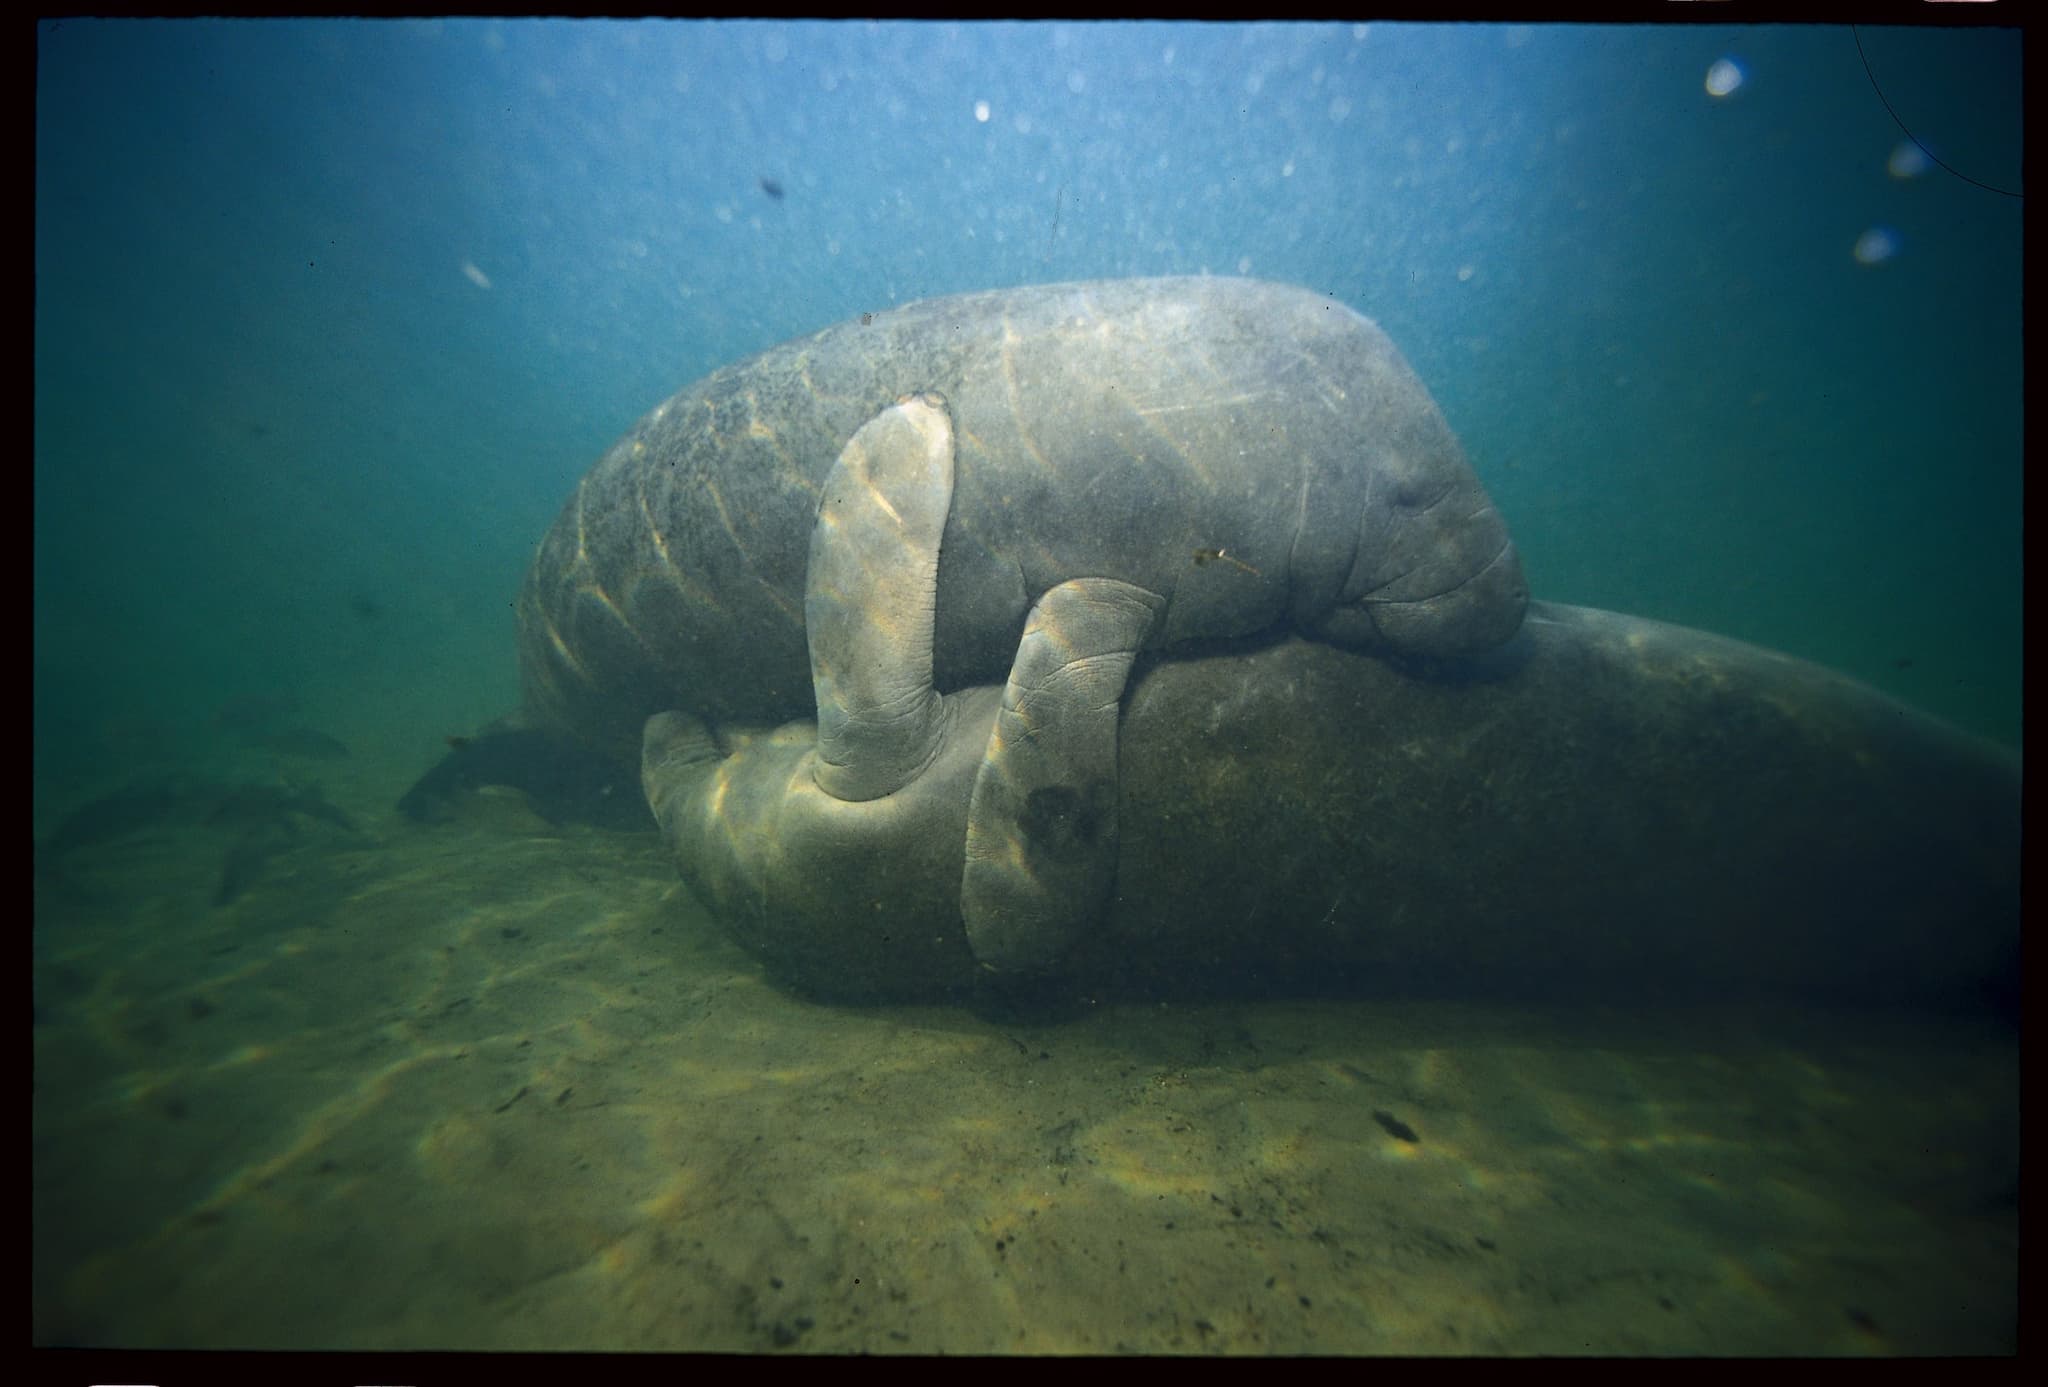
{"points": [[1056, 816], [1395, 1127]]}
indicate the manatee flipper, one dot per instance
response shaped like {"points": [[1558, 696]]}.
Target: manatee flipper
{"points": [[1041, 828], [870, 600]]}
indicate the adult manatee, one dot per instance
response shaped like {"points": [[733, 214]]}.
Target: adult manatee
{"points": [[1220, 456], [1606, 803]]}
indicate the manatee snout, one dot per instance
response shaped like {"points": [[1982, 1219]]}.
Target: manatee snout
{"points": [[1466, 619], [1441, 586]]}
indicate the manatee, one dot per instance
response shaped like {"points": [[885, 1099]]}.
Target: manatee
{"points": [[1606, 804], [1219, 456]]}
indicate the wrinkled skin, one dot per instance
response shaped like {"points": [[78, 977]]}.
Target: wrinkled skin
{"points": [[1609, 803], [1246, 456]]}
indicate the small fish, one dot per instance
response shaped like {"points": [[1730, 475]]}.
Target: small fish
{"points": [[771, 187], [561, 779], [1203, 556], [1395, 1127]]}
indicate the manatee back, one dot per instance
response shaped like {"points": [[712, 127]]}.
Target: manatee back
{"points": [[1134, 429]]}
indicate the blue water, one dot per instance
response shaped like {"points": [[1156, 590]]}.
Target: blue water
{"points": [[331, 315]]}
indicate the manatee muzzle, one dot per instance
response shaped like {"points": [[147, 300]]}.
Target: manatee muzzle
{"points": [[1476, 615], [1411, 615]]}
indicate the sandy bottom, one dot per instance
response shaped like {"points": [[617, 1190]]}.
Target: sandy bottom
{"points": [[494, 1086]]}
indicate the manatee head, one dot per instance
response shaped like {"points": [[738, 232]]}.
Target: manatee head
{"points": [[1434, 572]]}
